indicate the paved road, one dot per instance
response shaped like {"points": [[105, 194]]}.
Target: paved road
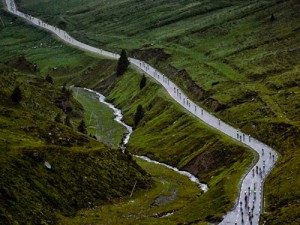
{"points": [[249, 203]]}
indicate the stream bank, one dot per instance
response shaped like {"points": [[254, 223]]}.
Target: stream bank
{"points": [[118, 118]]}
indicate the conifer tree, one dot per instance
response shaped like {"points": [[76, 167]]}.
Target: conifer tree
{"points": [[138, 115], [143, 82], [68, 121], [272, 18], [123, 63], [82, 127], [16, 96], [49, 79], [58, 118]]}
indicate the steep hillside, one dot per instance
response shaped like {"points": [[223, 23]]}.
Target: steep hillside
{"points": [[48, 168]]}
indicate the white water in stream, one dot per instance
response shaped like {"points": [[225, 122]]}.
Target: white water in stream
{"points": [[118, 118]]}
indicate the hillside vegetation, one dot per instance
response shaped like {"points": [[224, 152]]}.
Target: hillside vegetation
{"points": [[82, 172], [168, 134], [240, 59], [48, 168]]}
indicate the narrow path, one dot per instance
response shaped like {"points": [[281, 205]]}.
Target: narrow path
{"points": [[248, 206]]}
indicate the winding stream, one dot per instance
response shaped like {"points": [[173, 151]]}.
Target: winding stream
{"points": [[118, 118]]}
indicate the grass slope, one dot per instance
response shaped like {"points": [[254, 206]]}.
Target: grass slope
{"points": [[49, 169], [171, 192], [164, 134], [231, 56]]}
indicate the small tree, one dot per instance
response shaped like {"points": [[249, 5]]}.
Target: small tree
{"points": [[16, 96], [123, 63], [58, 118], [82, 127], [143, 82], [138, 115], [68, 121], [272, 18], [49, 79]]}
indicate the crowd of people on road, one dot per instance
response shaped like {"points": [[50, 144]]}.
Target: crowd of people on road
{"points": [[248, 203]]}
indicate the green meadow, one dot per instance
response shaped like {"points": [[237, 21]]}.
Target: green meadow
{"points": [[100, 118]]}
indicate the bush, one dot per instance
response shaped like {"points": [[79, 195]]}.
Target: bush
{"points": [[67, 91]]}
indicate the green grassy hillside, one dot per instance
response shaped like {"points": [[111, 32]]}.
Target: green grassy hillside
{"points": [[239, 59], [164, 134], [83, 172], [171, 192], [99, 74], [49, 169]]}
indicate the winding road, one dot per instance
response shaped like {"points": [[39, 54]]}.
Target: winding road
{"points": [[249, 204]]}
